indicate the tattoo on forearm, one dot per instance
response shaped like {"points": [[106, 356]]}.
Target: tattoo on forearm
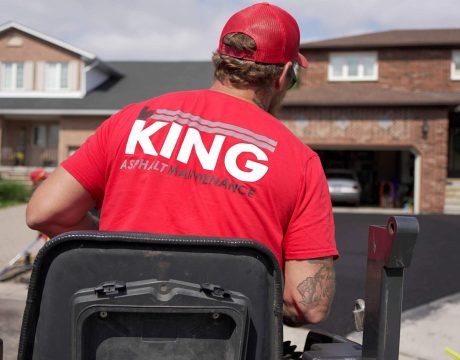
{"points": [[320, 287]]}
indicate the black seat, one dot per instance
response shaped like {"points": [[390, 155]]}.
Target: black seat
{"points": [[110, 295]]}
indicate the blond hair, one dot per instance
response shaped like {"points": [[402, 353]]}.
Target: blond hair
{"points": [[241, 73]]}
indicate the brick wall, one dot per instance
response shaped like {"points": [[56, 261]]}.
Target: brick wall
{"points": [[34, 50], [382, 128], [316, 74], [424, 70], [403, 69], [74, 131]]}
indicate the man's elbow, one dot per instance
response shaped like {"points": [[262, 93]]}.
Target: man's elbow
{"points": [[297, 314]]}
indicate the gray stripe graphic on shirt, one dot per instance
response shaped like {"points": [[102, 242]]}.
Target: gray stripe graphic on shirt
{"points": [[213, 130], [216, 127]]}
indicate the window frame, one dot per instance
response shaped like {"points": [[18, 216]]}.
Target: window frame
{"points": [[345, 73], [59, 73], [14, 76]]}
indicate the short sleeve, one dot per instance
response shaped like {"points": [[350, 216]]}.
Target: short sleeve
{"points": [[311, 230], [88, 165]]}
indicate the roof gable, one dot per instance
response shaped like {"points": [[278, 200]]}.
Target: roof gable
{"points": [[13, 25], [393, 38]]}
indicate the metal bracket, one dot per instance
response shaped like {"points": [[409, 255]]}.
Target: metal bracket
{"points": [[390, 250]]}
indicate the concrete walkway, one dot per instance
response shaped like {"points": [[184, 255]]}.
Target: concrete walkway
{"points": [[428, 329], [14, 233]]}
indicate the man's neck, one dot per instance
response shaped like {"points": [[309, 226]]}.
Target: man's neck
{"points": [[248, 95]]}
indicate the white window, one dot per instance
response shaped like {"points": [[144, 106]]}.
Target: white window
{"points": [[56, 76], [12, 76], [455, 70], [353, 67]]}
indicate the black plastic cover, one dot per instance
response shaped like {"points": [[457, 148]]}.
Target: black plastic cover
{"points": [[81, 260], [138, 319]]}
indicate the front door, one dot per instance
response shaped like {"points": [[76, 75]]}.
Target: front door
{"points": [[43, 147]]}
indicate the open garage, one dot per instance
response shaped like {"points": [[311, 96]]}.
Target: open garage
{"points": [[387, 177]]}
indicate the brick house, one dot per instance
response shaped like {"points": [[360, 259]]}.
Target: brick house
{"points": [[383, 104], [54, 95], [387, 105]]}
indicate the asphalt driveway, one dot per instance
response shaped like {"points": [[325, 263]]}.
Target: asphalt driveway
{"points": [[434, 272]]}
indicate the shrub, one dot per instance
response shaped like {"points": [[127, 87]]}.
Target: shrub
{"points": [[12, 192]]}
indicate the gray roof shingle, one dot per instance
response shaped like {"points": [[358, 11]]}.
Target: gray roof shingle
{"points": [[393, 38], [139, 81]]}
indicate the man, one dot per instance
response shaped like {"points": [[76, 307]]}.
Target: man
{"points": [[212, 162]]}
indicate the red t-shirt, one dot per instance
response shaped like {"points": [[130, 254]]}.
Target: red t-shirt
{"points": [[206, 163]]}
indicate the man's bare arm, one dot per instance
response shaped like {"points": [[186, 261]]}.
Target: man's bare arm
{"points": [[309, 290], [60, 204]]}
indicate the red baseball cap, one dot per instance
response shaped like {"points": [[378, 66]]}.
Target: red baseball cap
{"points": [[274, 31]]}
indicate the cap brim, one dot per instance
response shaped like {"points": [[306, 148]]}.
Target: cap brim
{"points": [[302, 60]]}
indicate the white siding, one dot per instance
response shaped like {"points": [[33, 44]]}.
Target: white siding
{"points": [[73, 76], [40, 76], [28, 75]]}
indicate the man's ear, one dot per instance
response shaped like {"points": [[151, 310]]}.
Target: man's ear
{"points": [[284, 76]]}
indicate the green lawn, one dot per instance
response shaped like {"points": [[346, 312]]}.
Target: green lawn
{"points": [[13, 193]]}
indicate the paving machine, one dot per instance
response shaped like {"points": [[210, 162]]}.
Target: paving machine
{"points": [[118, 296]]}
